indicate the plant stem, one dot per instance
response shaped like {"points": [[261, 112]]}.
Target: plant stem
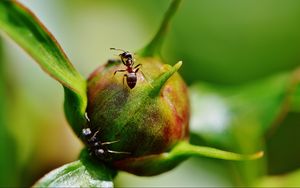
{"points": [[155, 45], [156, 164]]}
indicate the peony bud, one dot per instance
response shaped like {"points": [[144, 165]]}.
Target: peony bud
{"points": [[146, 120]]}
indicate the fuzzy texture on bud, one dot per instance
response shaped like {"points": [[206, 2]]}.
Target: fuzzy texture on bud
{"points": [[146, 120]]}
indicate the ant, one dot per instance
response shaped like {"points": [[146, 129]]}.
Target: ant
{"points": [[95, 146], [128, 60]]}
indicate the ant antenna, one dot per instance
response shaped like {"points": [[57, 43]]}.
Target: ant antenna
{"points": [[118, 49], [87, 117]]}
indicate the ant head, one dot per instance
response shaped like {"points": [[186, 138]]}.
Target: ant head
{"points": [[86, 132], [126, 56]]}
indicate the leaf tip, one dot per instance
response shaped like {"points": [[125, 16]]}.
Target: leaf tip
{"points": [[158, 83], [253, 156], [178, 65], [257, 155]]}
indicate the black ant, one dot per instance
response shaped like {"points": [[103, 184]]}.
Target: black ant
{"points": [[97, 148], [128, 60]]}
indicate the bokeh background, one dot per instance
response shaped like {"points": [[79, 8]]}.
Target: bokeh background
{"points": [[226, 43]]}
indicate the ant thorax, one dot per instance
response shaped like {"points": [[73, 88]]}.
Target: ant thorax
{"points": [[131, 71], [129, 62]]}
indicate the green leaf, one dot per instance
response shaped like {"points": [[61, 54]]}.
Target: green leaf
{"points": [[81, 173], [239, 118], [23, 27], [222, 113], [155, 45]]}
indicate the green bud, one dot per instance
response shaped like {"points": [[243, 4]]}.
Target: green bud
{"points": [[147, 120]]}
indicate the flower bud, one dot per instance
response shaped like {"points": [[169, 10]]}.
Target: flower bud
{"points": [[144, 120]]}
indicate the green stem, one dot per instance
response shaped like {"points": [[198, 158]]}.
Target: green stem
{"points": [[185, 149], [155, 45], [156, 164]]}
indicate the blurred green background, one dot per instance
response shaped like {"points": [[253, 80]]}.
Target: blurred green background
{"points": [[227, 43]]}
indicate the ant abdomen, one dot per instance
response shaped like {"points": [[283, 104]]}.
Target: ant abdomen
{"points": [[131, 80]]}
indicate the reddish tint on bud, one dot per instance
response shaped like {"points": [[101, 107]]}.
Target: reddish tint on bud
{"points": [[146, 120]]}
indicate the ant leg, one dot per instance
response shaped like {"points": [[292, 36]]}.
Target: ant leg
{"points": [[87, 117], [118, 152], [125, 76], [119, 71], [112, 142], [137, 66], [138, 69], [95, 134], [124, 63]]}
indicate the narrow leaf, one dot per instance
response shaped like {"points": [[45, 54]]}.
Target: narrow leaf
{"points": [[23, 27], [157, 84], [188, 150], [155, 45], [156, 164], [81, 173]]}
